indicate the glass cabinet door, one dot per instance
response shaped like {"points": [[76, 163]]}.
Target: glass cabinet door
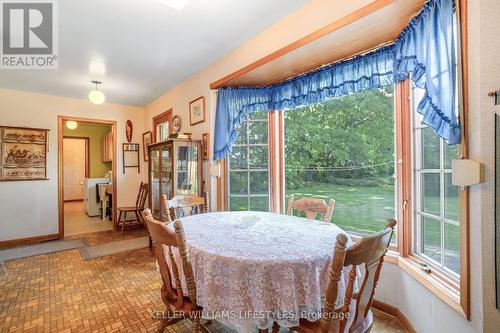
{"points": [[154, 157], [166, 174], [187, 170]]}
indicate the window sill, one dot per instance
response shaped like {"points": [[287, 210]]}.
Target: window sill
{"points": [[433, 282]]}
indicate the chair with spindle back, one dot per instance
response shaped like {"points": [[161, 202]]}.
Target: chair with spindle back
{"points": [[137, 209], [312, 207], [172, 293], [185, 204], [369, 252]]}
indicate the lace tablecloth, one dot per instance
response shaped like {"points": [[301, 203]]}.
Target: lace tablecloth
{"points": [[256, 267]]}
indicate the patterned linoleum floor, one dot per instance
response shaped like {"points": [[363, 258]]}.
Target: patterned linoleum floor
{"points": [[60, 292]]}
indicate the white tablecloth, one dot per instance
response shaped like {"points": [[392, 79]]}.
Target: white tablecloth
{"points": [[253, 268]]}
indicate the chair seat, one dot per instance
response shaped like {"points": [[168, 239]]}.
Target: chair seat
{"points": [[127, 209]]}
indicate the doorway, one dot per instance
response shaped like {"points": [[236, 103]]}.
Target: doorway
{"points": [[76, 153], [87, 176]]}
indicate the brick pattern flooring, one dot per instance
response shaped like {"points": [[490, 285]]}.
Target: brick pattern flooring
{"points": [[60, 292]]}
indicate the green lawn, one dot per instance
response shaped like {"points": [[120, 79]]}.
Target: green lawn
{"points": [[363, 209]]}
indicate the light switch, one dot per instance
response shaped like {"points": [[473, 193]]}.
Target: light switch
{"points": [[466, 172]]}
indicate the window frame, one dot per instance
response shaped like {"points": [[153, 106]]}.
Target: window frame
{"points": [[165, 117]]}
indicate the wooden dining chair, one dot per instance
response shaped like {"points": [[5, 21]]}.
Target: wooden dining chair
{"points": [[184, 205], [172, 293], [312, 207], [137, 209], [369, 253]]}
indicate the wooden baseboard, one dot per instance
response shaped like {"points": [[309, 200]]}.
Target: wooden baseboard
{"points": [[28, 240], [394, 311]]}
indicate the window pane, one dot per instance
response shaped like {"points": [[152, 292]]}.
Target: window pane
{"points": [[258, 157], [250, 154], [238, 203], [431, 238], [430, 149], [257, 132], [451, 211], [452, 247], [261, 115], [239, 182], [343, 149], [259, 182], [238, 160], [450, 153], [431, 202], [242, 134], [259, 203]]}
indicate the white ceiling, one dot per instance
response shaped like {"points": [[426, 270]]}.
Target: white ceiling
{"points": [[142, 48]]}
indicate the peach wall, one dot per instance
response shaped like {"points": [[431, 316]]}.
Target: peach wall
{"points": [[29, 208]]}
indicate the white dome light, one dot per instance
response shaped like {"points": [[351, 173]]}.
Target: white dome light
{"points": [[96, 96], [71, 124]]}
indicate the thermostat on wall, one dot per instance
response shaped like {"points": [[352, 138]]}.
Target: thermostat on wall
{"points": [[466, 172]]}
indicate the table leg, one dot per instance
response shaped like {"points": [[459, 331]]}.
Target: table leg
{"points": [[104, 208]]}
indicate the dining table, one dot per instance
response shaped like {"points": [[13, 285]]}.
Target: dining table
{"points": [[255, 268]]}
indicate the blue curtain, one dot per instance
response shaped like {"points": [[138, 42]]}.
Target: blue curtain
{"points": [[424, 49]]}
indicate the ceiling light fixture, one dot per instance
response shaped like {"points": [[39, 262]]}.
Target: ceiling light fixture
{"points": [[175, 4], [71, 124], [96, 96]]}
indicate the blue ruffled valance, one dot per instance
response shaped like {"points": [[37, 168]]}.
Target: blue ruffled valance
{"points": [[424, 49]]}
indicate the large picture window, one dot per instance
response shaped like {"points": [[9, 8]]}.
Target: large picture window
{"points": [[344, 149], [248, 185]]}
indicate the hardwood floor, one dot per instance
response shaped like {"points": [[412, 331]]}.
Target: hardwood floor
{"points": [[61, 292]]}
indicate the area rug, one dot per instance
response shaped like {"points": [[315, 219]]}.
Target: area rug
{"points": [[107, 249], [42, 248]]}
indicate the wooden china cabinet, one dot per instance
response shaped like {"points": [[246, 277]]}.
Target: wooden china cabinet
{"points": [[174, 168]]}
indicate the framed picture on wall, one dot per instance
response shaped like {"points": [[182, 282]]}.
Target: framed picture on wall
{"points": [[197, 111], [147, 138], [23, 153]]}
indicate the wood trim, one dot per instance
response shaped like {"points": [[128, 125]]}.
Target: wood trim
{"points": [[60, 188], [161, 118], [404, 165], [87, 151], [203, 103], [394, 312], [464, 147], [27, 240], [273, 163], [222, 186], [434, 283], [281, 160], [336, 25]]}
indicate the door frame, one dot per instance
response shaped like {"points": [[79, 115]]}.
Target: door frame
{"points": [[60, 176], [87, 155]]}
